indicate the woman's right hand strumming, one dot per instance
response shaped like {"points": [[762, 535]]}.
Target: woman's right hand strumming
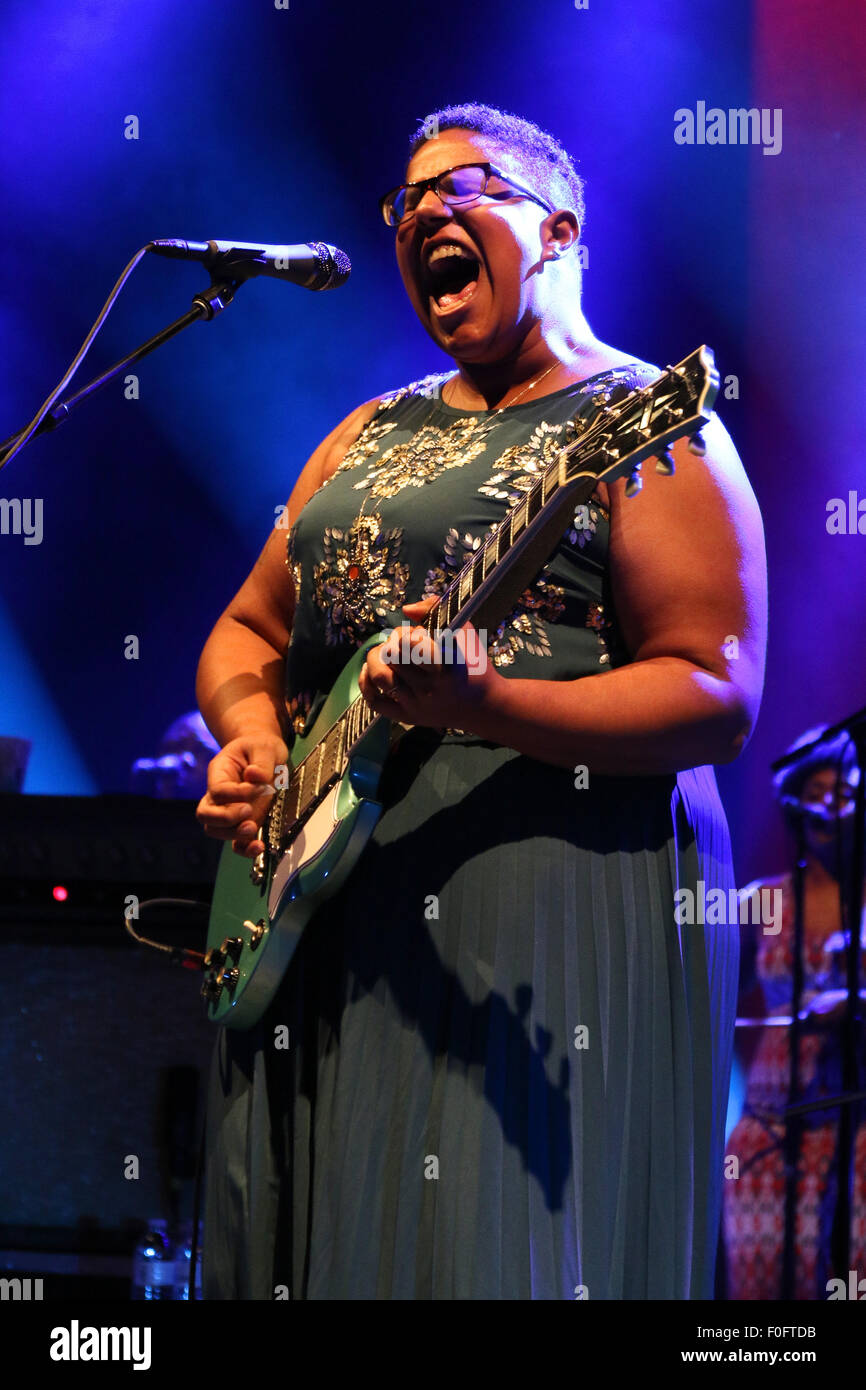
{"points": [[240, 784]]}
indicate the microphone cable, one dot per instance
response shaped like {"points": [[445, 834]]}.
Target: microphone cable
{"points": [[10, 447]]}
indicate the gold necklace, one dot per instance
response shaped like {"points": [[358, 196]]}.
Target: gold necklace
{"points": [[525, 389]]}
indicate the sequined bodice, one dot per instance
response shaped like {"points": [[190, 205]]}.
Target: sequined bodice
{"points": [[414, 496]]}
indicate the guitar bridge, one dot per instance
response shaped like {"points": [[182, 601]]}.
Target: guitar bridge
{"points": [[275, 823]]}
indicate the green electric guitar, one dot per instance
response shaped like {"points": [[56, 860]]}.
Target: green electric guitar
{"points": [[325, 807]]}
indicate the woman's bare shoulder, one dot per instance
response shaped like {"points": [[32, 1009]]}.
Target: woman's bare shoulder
{"points": [[345, 434]]}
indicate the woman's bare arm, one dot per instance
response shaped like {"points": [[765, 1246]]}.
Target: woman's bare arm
{"points": [[239, 685], [688, 573]]}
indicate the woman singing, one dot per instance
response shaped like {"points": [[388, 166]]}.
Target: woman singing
{"points": [[508, 1068]]}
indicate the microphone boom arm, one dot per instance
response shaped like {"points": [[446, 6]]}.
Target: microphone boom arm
{"points": [[205, 305]]}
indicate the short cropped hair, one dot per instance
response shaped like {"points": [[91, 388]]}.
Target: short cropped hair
{"points": [[547, 167]]}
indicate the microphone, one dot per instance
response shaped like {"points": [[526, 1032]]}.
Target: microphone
{"points": [[313, 265]]}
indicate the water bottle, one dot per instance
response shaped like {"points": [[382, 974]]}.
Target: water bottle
{"points": [[183, 1256], [153, 1264]]}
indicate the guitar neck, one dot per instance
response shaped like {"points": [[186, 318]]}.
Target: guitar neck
{"points": [[491, 581]]}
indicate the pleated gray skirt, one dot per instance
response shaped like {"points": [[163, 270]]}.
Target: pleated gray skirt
{"points": [[508, 1066]]}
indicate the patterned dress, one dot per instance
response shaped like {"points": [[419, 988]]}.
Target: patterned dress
{"points": [[754, 1201], [509, 1065]]}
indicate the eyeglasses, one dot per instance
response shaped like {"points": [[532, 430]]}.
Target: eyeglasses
{"points": [[463, 183]]}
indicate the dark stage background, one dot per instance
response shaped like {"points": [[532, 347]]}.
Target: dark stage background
{"points": [[286, 124]]}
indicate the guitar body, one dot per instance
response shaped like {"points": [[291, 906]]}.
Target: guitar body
{"points": [[255, 926]]}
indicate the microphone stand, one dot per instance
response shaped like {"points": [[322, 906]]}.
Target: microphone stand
{"points": [[793, 1117], [851, 1029], [205, 305]]}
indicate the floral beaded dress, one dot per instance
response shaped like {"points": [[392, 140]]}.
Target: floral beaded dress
{"points": [[507, 1068]]}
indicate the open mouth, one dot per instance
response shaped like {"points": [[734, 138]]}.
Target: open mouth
{"points": [[452, 274]]}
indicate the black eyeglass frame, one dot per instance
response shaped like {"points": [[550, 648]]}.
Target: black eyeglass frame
{"points": [[489, 170]]}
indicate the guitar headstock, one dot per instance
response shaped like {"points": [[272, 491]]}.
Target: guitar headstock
{"points": [[635, 425]]}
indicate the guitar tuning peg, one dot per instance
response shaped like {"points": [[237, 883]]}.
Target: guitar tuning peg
{"points": [[697, 444], [635, 483], [665, 463]]}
